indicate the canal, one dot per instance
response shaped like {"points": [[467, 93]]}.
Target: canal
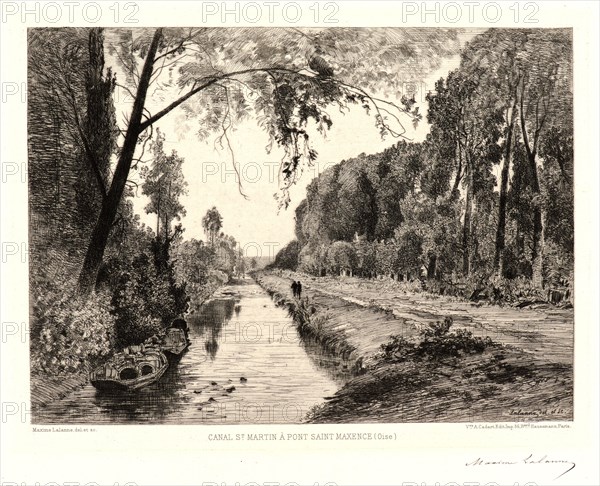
{"points": [[246, 364]]}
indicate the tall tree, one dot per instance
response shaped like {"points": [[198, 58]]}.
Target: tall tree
{"points": [[463, 112], [494, 54], [164, 184], [544, 96], [99, 238], [212, 222]]}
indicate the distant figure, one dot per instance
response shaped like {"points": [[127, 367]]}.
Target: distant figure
{"points": [[294, 289], [299, 289]]}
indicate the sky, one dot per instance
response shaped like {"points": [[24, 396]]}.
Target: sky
{"points": [[256, 221]]}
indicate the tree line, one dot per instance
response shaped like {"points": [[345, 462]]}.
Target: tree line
{"points": [[436, 208]]}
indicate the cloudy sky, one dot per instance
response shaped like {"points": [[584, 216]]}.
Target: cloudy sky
{"points": [[257, 221]]}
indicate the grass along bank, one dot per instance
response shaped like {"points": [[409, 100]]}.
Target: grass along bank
{"points": [[353, 331], [422, 367]]}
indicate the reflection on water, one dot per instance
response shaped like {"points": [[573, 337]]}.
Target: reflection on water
{"points": [[246, 364], [210, 321]]}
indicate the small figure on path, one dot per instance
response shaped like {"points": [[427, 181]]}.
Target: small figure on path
{"points": [[294, 289], [299, 289]]}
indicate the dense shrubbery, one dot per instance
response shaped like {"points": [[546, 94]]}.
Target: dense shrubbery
{"points": [[436, 341], [68, 332], [143, 299], [133, 301]]}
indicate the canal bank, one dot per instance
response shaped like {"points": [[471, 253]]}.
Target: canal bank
{"points": [[354, 331], [411, 371]]}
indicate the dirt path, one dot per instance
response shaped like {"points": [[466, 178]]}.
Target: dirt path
{"points": [[546, 332]]}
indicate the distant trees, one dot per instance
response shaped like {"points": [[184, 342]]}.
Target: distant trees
{"points": [[287, 257], [438, 204], [195, 264], [203, 267]]}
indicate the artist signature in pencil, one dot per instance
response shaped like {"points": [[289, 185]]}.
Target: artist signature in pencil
{"points": [[530, 459]]}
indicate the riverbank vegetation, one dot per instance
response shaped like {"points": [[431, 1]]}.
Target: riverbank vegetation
{"points": [[483, 207]]}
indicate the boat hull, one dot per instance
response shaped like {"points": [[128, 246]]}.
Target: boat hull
{"points": [[175, 344], [116, 375], [136, 384], [175, 355]]}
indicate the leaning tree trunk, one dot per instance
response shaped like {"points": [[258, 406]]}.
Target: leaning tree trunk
{"points": [[501, 228], [99, 239]]}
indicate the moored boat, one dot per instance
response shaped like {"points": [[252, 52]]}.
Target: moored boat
{"points": [[182, 324], [174, 342], [133, 368]]}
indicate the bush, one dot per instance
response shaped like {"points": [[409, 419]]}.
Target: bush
{"points": [[398, 349], [287, 257], [436, 342], [70, 332], [494, 290], [143, 299]]}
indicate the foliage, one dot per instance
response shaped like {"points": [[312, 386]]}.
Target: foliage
{"points": [[436, 206], [341, 257], [366, 256], [312, 259], [69, 333], [287, 258], [143, 298], [212, 222], [72, 137], [164, 185], [435, 342], [203, 268]]}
